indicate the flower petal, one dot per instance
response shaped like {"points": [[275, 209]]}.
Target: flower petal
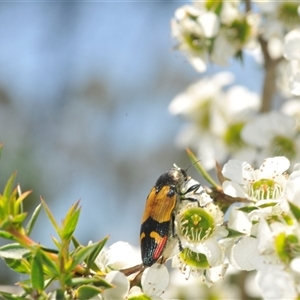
{"points": [[273, 167], [291, 48], [243, 253], [121, 283], [155, 280], [216, 273], [210, 24], [238, 171], [239, 221], [233, 189]]}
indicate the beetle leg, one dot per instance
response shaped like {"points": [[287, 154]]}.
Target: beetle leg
{"points": [[193, 188], [173, 226]]}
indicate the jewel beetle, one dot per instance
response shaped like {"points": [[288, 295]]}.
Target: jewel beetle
{"points": [[158, 219]]}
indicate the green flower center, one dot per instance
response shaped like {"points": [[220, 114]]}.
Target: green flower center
{"points": [[283, 146], [195, 42], [287, 13], [139, 297], [287, 247], [215, 6], [265, 189], [239, 30], [196, 224], [193, 259], [203, 114], [232, 136]]}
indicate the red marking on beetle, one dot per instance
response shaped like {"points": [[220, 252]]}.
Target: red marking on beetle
{"points": [[160, 247]]}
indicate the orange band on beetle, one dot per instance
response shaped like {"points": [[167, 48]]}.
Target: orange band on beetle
{"points": [[159, 206]]}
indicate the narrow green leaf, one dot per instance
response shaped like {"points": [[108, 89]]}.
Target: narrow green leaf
{"points": [[6, 235], [295, 210], [96, 280], [50, 216], [91, 258], [70, 222], [75, 242], [80, 254], [3, 209], [37, 274], [9, 296], [247, 209], [33, 219], [50, 267], [71, 212], [19, 219], [9, 186], [57, 294], [201, 169], [12, 201], [18, 206], [264, 205], [56, 242], [101, 282], [19, 265], [87, 292], [49, 250], [14, 251]]}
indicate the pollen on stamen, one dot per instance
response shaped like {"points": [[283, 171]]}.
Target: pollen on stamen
{"points": [[196, 224]]}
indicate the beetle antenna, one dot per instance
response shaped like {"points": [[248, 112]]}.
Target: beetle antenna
{"points": [[192, 164]]}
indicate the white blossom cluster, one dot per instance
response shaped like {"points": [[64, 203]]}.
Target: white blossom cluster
{"points": [[216, 31], [227, 123], [205, 28], [270, 243], [261, 235], [225, 120]]}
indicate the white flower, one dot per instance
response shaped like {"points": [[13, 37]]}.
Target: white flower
{"points": [[291, 45], [292, 108], [273, 134], [215, 119], [120, 289], [275, 283], [218, 55], [278, 17], [185, 27], [292, 53], [278, 244], [154, 282], [195, 27], [264, 183], [202, 105], [292, 190], [119, 255], [200, 228], [195, 264], [193, 101]]}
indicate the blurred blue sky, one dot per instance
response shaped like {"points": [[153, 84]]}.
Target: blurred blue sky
{"points": [[83, 114]]}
